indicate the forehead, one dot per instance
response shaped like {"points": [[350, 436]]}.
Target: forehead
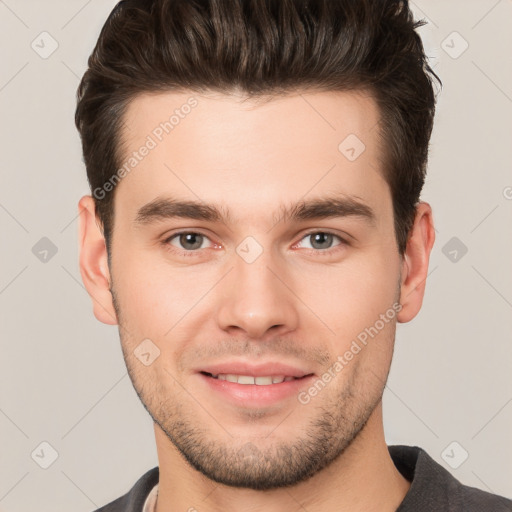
{"points": [[250, 155]]}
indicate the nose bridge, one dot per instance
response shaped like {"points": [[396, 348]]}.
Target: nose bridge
{"points": [[255, 297]]}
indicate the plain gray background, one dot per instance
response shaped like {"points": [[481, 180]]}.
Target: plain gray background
{"points": [[62, 376]]}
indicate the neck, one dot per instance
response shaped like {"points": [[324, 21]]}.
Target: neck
{"points": [[362, 478]]}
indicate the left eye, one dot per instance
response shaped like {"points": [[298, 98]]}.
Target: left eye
{"points": [[321, 240]]}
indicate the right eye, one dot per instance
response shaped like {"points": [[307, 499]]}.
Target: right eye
{"points": [[187, 241]]}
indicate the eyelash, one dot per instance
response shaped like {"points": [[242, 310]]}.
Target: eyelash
{"points": [[323, 252]]}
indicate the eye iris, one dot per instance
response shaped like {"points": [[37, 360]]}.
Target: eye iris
{"points": [[322, 239], [195, 239]]}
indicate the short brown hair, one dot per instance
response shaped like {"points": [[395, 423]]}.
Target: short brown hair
{"points": [[263, 47]]}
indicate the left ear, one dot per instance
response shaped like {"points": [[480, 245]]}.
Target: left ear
{"points": [[415, 263]]}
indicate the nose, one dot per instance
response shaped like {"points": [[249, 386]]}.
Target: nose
{"points": [[257, 298]]}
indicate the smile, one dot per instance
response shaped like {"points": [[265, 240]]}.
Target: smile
{"points": [[264, 380]]}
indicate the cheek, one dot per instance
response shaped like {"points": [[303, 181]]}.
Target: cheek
{"points": [[352, 296], [153, 297], [357, 304]]}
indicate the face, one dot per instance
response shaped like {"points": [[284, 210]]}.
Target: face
{"points": [[287, 266]]}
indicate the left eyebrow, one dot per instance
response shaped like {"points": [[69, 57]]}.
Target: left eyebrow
{"points": [[324, 208], [313, 209]]}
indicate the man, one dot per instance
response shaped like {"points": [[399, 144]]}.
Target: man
{"points": [[256, 233]]}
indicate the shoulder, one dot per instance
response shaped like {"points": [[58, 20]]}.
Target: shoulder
{"points": [[134, 499], [435, 488]]}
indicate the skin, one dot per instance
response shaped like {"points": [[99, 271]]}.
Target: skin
{"points": [[296, 303]]}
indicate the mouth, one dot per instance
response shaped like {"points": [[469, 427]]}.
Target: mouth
{"points": [[258, 380], [254, 391]]}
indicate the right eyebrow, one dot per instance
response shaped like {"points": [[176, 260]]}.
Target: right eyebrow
{"points": [[168, 208]]}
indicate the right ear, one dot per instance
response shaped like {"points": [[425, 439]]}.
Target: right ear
{"points": [[94, 262]]}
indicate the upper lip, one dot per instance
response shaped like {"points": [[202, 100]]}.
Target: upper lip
{"points": [[244, 368]]}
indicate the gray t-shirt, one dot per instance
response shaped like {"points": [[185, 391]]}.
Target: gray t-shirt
{"points": [[433, 488]]}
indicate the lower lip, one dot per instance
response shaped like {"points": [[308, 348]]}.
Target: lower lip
{"points": [[255, 395]]}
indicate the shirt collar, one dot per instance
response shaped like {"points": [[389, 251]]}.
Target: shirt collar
{"points": [[150, 503]]}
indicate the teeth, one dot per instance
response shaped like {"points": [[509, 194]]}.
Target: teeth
{"points": [[249, 379], [263, 381], [245, 379]]}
